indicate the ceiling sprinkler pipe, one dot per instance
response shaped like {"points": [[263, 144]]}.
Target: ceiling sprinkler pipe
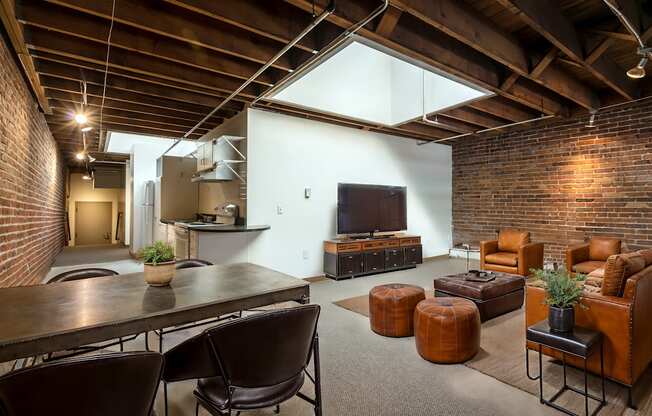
{"points": [[323, 15]]}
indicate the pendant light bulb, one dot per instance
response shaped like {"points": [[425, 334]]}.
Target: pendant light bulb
{"points": [[81, 118], [80, 155]]}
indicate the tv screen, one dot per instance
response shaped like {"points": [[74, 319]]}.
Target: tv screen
{"points": [[370, 208]]}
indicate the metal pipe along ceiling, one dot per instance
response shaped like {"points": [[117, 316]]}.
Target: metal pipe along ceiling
{"points": [[323, 15]]}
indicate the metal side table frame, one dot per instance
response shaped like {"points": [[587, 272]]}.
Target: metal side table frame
{"points": [[602, 401]]}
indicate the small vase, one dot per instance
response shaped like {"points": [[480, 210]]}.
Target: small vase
{"points": [[160, 274], [561, 319]]}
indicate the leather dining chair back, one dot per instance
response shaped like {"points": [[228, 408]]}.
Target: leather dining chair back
{"points": [[286, 335], [253, 358], [105, 385], [80, 274], [190, 263]]}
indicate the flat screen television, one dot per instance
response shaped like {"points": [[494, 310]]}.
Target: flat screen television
{"points": [[370, 208]]}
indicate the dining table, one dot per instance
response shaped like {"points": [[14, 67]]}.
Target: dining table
{"points": [[46, 318]]}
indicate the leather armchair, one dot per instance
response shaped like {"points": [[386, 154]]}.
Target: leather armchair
{"points": [[587, 257], [511, 253]]}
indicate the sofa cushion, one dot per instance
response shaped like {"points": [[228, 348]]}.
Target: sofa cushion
{"points": [[504, 258], [647, 255], [597, 273], [600, 248], [511, 240], [587, 267], [616, 272]]}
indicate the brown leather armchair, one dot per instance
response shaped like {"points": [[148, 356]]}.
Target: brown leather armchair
{"points": [[624, 321], [511, 253], [591, 256]]}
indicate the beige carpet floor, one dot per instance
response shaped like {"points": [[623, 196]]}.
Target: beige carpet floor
{"points": [[502, 356]]}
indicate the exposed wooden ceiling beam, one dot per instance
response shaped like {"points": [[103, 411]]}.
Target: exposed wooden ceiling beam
{"points": [[81, 50], [439, 51], [388, 21], [163, 84], [614, 35], [548, 20], [109, 120], [456, 20], [65, 85], [599, 50], [15, 34], [478, 118], [61, 126], [269, 19], [544, 62], [110, 113], [61, 20], [499, 107], [116, 82], [167, 23], [509, 81]]}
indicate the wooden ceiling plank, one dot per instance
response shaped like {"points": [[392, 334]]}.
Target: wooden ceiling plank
{"points": [[269, 19], [15, 35], [499, 107], [116, 82], [79, 49], [597, 52], [544, 62], [509, 81], [465, 25], [475, 117], [559, 30], [163, 84], [388, 21], [91, 28], [109, 119], [174, 25]]}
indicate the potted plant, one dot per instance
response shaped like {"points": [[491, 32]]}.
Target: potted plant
{"points": [[159, 263], [563, 292]]}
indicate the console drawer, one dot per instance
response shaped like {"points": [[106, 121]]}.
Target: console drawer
{"points": [[393, 258], [348, 247], [410, 241], [349, 264], [374, 261]]}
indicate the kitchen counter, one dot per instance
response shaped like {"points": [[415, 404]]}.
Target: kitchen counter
{"points": [[228, 228]]}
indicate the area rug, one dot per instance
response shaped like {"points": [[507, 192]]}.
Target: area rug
{"points": [[502, 356]]}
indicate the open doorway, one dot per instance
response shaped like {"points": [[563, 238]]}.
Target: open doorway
{"points": [[93, 223]]}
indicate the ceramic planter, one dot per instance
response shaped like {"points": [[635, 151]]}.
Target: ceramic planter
{"points": [[160, 274], [561, 319]]}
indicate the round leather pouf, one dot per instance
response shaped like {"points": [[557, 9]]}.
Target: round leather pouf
{"points": [[447, 329], [391, 309]]}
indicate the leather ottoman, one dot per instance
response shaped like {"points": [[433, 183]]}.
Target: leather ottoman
{"points": [[502, 295], [447, 330], [391, 309]]}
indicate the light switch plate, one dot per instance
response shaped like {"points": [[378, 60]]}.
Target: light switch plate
{"points": [[279, 210], [307, 192]]}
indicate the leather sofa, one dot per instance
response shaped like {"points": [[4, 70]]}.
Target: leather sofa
{"points": [[587, 257], [511, 253], [624, 320]]}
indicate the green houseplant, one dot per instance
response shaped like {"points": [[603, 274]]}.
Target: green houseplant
{"points": [[563, 292], [159, 263]]}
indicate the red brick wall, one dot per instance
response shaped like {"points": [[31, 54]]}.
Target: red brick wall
{"points": [[560, 180], [31, 182]]}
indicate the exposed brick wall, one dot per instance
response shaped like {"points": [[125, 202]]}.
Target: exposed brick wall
{"points": [[31, 182], [560, 180]]}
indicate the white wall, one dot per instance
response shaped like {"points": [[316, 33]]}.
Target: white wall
{"points": [[287, 154], [83, 191]]}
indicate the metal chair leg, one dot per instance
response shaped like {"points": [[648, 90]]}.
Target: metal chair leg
{"points": [[122, 348], [315, 357], [160, 342], [277, 409], [165, 397], [196, 408], [146, 341]]}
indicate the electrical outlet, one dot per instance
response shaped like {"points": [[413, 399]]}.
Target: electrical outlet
{"points": [[279, 210], [305, 254]]}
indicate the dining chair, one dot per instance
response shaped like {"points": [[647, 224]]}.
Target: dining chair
{"points": [[185, 264], [102, 385], [251, 363], [81, 274]]}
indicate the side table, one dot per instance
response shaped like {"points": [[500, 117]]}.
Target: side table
{"points": [[582, 343]]}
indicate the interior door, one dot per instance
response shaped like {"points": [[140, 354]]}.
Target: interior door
{"points": [[92, 223]]}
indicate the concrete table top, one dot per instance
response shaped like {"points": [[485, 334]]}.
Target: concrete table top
{"points": [[47, 318]]}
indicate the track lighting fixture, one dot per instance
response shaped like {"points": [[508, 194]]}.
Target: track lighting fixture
{"points": [[81, 118], [86, 129], [80, 155], [639, 70]]}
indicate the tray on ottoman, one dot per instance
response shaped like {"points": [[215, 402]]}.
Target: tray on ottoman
{"points": [[497, 297]]}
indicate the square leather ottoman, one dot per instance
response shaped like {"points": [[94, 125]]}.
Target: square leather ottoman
{"points": [[503, 294]]}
